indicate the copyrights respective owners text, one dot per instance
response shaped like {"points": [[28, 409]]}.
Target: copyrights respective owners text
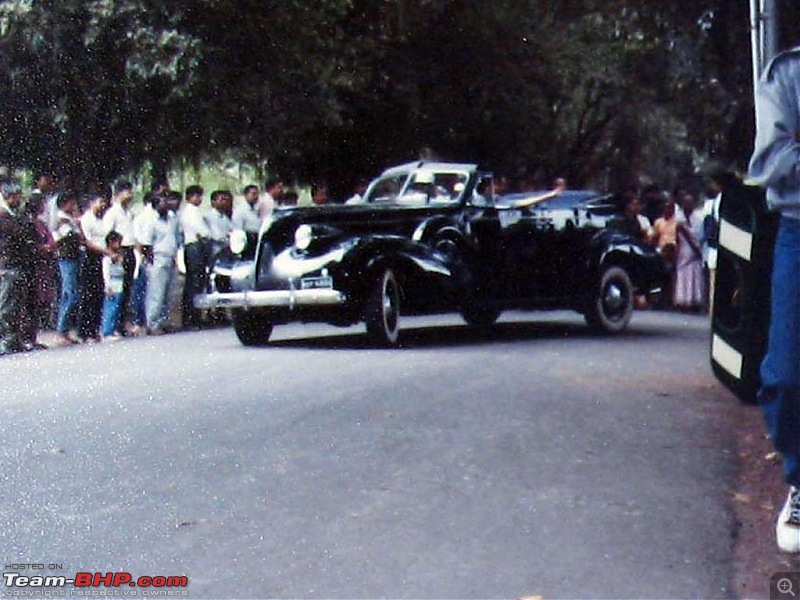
{"points": [[36, 580]]}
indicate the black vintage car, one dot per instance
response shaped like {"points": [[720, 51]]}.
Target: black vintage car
{"points": [[430, 237]]}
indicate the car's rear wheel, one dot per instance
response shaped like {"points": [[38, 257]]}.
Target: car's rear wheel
{"points": [[382, 313], [611, 306], [252, 327]]}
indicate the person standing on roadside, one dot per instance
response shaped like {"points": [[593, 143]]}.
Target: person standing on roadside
{"points": [[273, 190], [219, 223], [141, 224], [161, 237], [42, 272], [44, 184], [775, 165], [245, 215], [91, 271], [13, 244], [119, 218], [196, 235], [113, 282], [67, 235]]}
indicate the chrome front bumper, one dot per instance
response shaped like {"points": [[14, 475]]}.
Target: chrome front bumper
{"points": [[275, 299]]}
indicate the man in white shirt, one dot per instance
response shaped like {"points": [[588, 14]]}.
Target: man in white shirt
{"points": [[245, 215], [196, 235], [273, 189], [141, 224], [161, 237], [219, 222], [119, 218], [43, 184], [710, 214], [90, 280]]}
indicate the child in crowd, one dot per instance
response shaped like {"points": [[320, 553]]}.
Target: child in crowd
{"points": [[113, 278]]}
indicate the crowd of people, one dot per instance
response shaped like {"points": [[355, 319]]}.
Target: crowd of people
{"points": [[93, 269], [684, 232]]}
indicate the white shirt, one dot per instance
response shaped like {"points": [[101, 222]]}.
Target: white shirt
{"points": [[120, 220], [644, 223], [220, 226], [711, 207], [246, 218], [50, 213], [163, 234], [65, 225], [142, 222], [266, 206], [194, 224], [93, 229], [113, 275]]}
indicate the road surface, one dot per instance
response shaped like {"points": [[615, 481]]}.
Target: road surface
{"points": [[539, 460]]}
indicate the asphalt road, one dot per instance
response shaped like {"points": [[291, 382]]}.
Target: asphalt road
{"points": [[537, 461]]}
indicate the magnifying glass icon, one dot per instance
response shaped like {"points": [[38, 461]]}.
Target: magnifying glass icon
{"points": [[785, 587]]}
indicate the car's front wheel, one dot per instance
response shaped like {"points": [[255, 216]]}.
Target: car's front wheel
{"points": [[252, 327], [382, 314], [611, 306]]}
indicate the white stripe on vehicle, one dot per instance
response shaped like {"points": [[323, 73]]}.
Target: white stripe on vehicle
{"points": [[726, 356], [737, 240]]}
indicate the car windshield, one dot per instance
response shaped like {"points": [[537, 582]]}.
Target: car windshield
{"points": [[419, 188]]}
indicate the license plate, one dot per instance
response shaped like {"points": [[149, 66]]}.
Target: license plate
{"points": [[315, 283]]}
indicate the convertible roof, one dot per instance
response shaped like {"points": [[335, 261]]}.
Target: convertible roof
{"points": [[566, 199]]}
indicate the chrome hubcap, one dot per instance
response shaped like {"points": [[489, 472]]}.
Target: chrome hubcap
{"points": [[389, 309], [614, 299]]}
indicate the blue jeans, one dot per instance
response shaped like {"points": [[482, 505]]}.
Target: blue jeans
{"points": [[68, 268], [112, 307], [780, 370], [160, 276], [140, 297]]}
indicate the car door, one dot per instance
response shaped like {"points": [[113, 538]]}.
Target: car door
{"points": [[527, 242]]}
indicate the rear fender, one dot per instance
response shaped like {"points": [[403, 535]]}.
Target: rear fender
{"points": [[633, 259]]}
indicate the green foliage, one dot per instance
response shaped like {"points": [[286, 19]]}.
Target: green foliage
{"points": [[604, 92]]}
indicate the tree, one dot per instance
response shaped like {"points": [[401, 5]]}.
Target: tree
{"points": [[88, 84], [607, 93]]}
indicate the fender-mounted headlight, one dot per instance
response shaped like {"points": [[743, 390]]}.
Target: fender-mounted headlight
{"points": [[303, 236], [238, 241]]}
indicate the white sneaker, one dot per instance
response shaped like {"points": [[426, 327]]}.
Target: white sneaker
{"points": [[787, 530]]}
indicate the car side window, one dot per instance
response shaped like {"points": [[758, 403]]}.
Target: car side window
{"points": [[386, 190], [483, 192]]}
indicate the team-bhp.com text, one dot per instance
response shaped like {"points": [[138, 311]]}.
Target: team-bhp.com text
{"points": [[94, 580]]}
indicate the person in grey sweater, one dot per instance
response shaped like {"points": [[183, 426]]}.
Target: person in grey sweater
{"points": [[775, 165]]}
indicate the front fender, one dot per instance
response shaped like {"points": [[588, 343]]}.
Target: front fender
{"points": [[409, 257], [426, 275]]}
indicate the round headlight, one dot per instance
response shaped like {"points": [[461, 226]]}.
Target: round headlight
{"points": [[238, 241], [303, 236]]}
